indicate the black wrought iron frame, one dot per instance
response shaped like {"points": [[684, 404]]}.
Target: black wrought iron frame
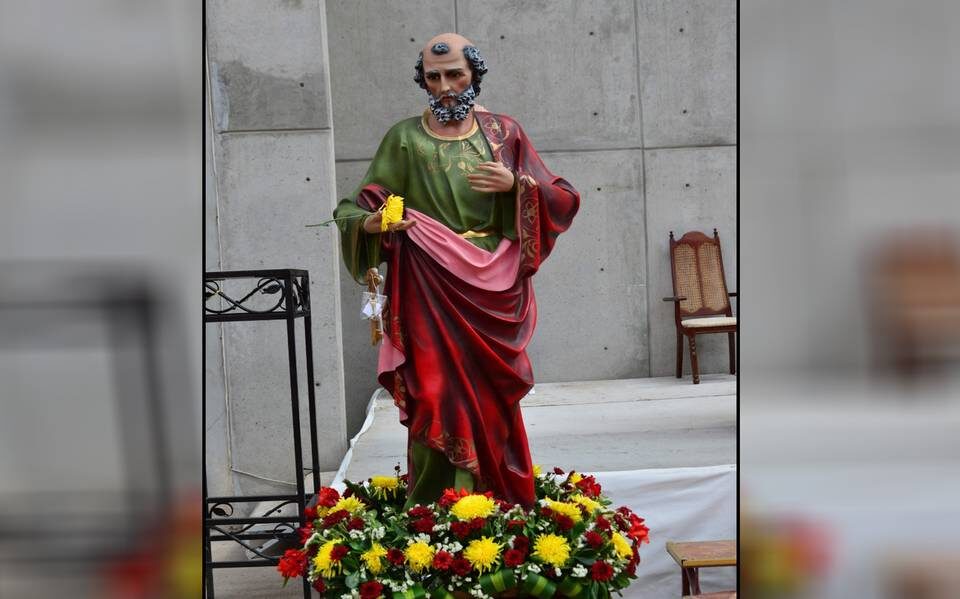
{"points": [[292, 287]]}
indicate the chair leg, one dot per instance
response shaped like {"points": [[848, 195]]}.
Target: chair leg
{"points": [[679, 354], [733, 352], [694, 363]]}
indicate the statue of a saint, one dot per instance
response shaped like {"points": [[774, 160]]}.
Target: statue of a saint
{"points": [[481, 212]]}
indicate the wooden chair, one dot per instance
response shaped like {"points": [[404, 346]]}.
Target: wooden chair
{"points": [[700, 299]]}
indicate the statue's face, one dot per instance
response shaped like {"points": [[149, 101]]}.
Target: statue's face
{"points": [[447, 76]]}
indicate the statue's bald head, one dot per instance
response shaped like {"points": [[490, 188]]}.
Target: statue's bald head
{"points": [[452, 44], [446, 42]]}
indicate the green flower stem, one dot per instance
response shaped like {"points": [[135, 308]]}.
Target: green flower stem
{"points": [[333, 220]]}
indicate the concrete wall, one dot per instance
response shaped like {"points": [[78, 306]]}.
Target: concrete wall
{"points": [[271, 173], [632, 101]]}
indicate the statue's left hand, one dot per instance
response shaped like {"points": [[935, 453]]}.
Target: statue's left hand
{"points": [[491, 177]]}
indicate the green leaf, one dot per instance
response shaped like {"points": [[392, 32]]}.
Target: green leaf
{"points": [[578, 529], [353, 581]]}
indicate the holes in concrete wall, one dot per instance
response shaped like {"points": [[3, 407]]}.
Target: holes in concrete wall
{"points": [[598, 189], [308, 178], [301, 84], [503, 37], [681, 30]]}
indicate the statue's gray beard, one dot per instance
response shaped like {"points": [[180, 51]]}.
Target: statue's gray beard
{"points": [[459, 111]]}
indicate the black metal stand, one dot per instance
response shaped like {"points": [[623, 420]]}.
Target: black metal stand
{"points": [[292, 290]]}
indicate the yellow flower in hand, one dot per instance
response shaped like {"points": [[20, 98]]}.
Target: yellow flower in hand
{"points": [[392, 212]]}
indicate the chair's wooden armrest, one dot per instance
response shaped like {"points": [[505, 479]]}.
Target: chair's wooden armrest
{"points": [[674, 299]]}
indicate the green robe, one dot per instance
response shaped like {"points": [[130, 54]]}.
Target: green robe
{"points": [[429, 172]]}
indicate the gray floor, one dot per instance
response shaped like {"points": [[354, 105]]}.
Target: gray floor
{"points": [[590, 426]]}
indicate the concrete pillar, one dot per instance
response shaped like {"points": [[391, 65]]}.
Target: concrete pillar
{"points": [[273, 173]]}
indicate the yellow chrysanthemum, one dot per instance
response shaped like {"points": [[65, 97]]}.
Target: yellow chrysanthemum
{"points": [[586, 502], [392, 212], [384, 486], [483, 554], [473, 506], [419, 556], [575, 477], [372, 558], [551, 549], [622, 546], [322, 562], [566, 509], [537, 471], [351, 504]]}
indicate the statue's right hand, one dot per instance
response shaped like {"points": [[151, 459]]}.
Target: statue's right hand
{"points": [[371, 224]]}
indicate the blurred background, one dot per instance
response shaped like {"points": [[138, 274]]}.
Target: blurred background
{"points": [[100, 275], [850, 291], [849, 228]]}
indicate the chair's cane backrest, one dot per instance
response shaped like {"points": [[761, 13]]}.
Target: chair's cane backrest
{"points": [[697, 266]]}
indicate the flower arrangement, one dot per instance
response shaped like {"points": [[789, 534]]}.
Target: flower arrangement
{"points": [[364, 545]]}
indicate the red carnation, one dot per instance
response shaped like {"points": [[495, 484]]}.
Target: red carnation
{"points": [[338, 552], [460, 566], [371, 590], [461, 529], [355, 523], [513, 558], [638, 530], [395, 556], [519, 524], [634, 560], [589, 487], [293, 563], [328, 497], [504, 506], [602, 523], [564, 522], [419, 511], [477, 523], [557, 471], [451, 496], [319, 586], [309, 514], [424, 525], [601, 571], [521, 543], [621, 522], [305, 534], [594, 539], [335, 518], [442, 560]]}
